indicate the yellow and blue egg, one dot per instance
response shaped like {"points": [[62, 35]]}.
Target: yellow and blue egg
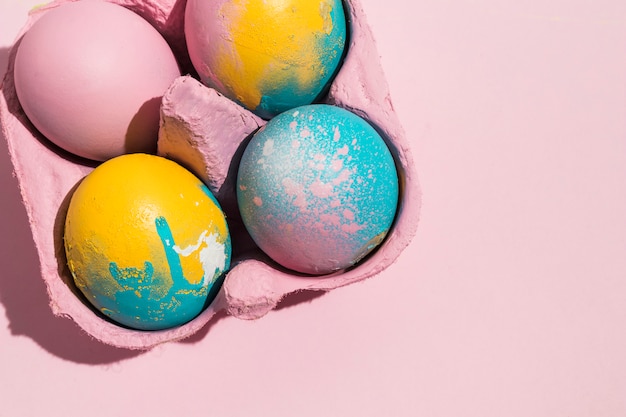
{"points": [[267, 55], [146, 242], [317, 189]]}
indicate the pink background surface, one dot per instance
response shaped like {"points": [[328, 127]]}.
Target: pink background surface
{"points": [[511, 300]]}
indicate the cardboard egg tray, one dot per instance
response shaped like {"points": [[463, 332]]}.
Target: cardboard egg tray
{"points": [[254, 285]]}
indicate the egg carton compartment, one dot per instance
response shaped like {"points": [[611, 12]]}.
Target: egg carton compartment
{"points": [[192, 117]]}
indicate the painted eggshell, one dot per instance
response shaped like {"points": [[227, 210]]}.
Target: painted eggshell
{"points": [[268, 55], [317, 189], [86, 87], [146, 242]]}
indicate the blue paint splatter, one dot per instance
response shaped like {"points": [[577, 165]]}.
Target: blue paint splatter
{"points": [[144, 303], [167, 239]]}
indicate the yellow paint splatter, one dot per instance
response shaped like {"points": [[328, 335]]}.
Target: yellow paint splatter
{"points": [[272, 42]]}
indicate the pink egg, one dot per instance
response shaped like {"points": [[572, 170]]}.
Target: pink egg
{"points": [[90, 76]]}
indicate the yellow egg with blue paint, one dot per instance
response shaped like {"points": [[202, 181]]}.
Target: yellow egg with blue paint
{"points": [[267, 55], [146, 242]]}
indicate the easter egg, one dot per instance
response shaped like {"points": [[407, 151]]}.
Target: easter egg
{"points": [[267, 55], [90, 76], [146, 242], [317, 188]]}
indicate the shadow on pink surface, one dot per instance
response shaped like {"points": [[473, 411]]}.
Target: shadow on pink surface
{"points": [[23, 293], [292, 300]]}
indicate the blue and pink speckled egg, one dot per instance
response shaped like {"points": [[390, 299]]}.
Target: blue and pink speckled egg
{"points": [[317, 188]]}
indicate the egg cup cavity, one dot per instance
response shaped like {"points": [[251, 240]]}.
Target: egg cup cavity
{"points": [[254, 285]]}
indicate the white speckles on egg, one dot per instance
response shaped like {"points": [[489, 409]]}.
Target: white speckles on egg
{"points": [[268, 147], [315, 181]]}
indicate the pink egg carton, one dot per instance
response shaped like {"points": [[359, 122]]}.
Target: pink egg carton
{"points": [[192, 117]]}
